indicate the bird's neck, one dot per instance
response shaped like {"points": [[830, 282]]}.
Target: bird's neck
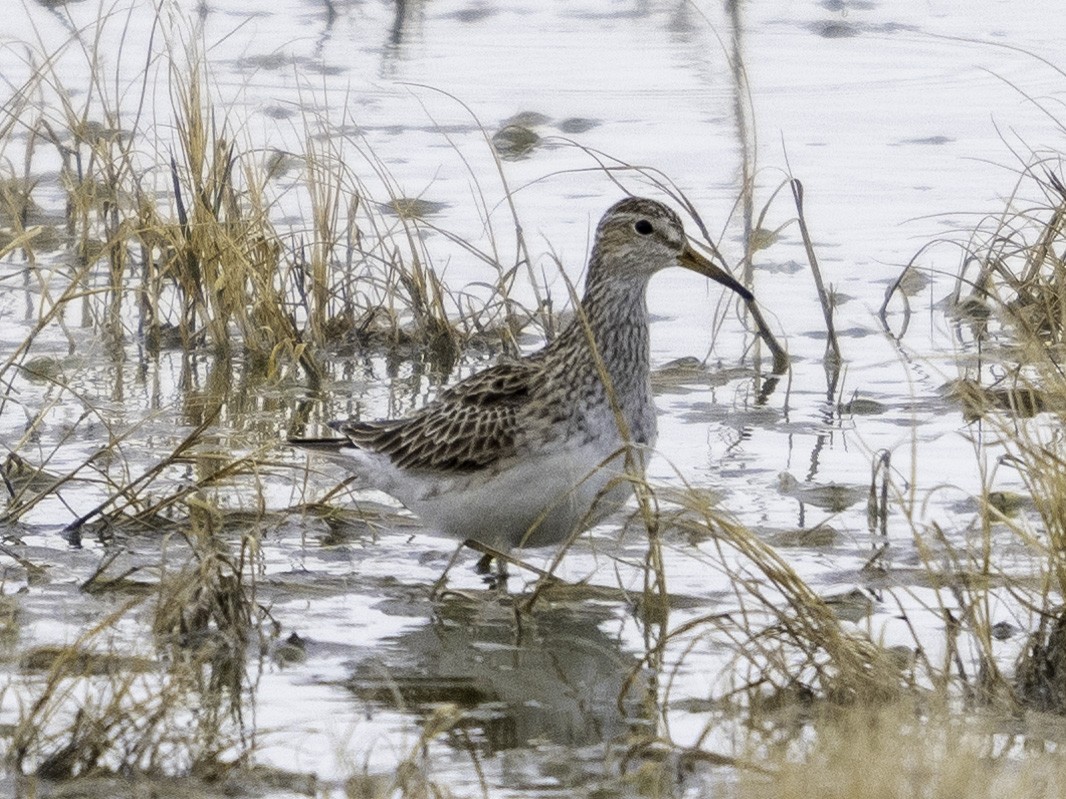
{"points": [[609, 333], [615, 315]]}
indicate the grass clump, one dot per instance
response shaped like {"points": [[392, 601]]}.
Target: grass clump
{"points": [[898, 751], [177, 709], [1015, 301], [171, 235]]}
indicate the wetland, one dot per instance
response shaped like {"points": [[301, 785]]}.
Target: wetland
{"points": [[221, 227]]}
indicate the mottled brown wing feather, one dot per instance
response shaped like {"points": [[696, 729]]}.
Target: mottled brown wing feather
{"points": [[468, 427]]}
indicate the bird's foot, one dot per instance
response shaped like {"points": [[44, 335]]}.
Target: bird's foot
{"points": [[494, 578]]}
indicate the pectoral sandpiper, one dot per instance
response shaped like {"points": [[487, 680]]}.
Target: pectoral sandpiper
{"points": [[530, 452]]}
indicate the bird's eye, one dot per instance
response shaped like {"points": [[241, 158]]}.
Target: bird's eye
{"points": [[643, 227]]}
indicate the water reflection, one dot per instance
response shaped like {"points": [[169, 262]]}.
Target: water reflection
{"points": [[553, 676]]}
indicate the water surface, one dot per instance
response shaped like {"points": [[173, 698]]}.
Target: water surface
{"points": [[906, 123]]}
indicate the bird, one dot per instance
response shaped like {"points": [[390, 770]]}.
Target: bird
{"points": [[533, 451]]}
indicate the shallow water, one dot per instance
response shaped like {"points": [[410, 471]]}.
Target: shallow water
{"points": [[905, 124]]}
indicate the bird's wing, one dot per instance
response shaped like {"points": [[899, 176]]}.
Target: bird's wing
{"points": [[468, 427]]}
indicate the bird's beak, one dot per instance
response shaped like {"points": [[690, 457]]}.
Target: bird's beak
{"points": [[690, 259]]}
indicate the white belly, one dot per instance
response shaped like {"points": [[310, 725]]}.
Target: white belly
{"points": [[541, 499]]}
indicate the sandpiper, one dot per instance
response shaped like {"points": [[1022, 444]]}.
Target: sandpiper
{"points": [[531, 452]]}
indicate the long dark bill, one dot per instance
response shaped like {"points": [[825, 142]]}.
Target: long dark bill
{"points": [[690, 259]]}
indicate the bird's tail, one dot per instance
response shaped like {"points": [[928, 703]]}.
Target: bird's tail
{"points": [[320, 444]]}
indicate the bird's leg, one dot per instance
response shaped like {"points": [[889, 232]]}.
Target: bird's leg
{"points": [[484, 566], [497, 581], [489, 554], [493, 578]]}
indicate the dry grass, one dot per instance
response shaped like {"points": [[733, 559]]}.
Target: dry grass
{"points": [[1013, 300], [901, 751], [175, 707]]}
